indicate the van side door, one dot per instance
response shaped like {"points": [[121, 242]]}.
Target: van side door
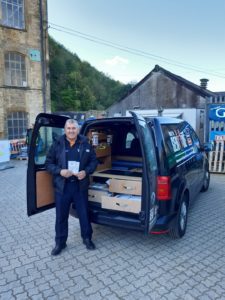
{"points": [[40, 194], [149, 177]]}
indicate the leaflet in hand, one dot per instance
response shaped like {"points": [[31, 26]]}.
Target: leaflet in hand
{"points": [[74, 166]]}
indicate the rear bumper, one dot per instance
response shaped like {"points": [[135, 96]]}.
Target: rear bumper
{"points": [[125, 221], [113, 219], [163, 224]]}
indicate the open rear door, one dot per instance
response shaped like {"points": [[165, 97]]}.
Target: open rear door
{"points": [[40, 194], [149, 202]]}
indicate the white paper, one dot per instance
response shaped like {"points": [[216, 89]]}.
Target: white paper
{"points": [[73, 166]]}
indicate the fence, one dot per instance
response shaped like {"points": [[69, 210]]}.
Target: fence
{"points": [[217, 156], [216, 133]]}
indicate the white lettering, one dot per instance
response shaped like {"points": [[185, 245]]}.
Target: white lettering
{"points": [[220, 112]]}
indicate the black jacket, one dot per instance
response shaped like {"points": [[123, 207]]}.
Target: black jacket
{"points": [[56, 161]]}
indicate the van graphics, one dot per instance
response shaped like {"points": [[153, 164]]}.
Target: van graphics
{"points": [[152, 215], [180, 145], [152, 198]]}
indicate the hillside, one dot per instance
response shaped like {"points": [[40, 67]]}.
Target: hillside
{"points": [[76, 85]]}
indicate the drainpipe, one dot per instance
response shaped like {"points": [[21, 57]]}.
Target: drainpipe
{"points": [[43, 66]]}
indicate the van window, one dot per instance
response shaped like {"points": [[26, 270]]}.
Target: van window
{"points": [[46, 136], [178, 142], [129, 138]]}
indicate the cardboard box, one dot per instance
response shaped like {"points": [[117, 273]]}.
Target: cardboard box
{"points": [[103, 150], [130, 187], [104, 163], [124, 203], [101, 136]]}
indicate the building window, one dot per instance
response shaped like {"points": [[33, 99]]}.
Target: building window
{"points": [[15, 70], [12, 12], [17, 125]]}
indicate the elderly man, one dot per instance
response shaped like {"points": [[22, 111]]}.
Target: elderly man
{"points": [[70, 160]]}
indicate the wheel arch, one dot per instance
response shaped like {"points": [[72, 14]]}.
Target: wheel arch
{"points": [[182, 192]]}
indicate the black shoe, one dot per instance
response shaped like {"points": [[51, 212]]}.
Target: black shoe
{"points": [[89, 244], [58, 248]]}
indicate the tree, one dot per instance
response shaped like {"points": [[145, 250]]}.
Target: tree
{"points": [[76, 85]]}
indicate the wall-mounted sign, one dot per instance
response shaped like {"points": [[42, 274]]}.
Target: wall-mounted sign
{"points": [[34, 54], [217, 112]]}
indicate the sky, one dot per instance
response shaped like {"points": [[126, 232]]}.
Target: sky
{"points": [[125, 39]]}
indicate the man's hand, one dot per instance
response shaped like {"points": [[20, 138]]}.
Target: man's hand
{"points": [[66, 173], [80, 175]]}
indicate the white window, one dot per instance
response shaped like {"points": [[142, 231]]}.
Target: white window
{"points": [[15, 69], [17, 125], [12, 12]]}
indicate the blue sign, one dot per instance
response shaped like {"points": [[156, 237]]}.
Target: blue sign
{"points": [[34, 55], [213, 134], [217, 112]]}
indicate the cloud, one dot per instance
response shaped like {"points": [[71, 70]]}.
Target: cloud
{"points": [[116, 61]]}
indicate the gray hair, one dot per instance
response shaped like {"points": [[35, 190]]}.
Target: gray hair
{"points": [[72, 121]]}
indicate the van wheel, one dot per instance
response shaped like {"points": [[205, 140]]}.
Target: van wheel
{"points": [[206, 181], [179, 226]]}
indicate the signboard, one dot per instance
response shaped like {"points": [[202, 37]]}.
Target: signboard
{"points": [[34, 54], [220, 138], [216, 135], [4, 151], [217, 112]]}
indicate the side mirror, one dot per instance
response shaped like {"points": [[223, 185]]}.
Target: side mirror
{"points": [[207, 147]]}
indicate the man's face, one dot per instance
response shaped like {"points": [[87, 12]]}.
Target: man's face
{"points": [[71, 131]]}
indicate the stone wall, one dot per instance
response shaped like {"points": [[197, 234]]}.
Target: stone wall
{"points": [[30, 97]]}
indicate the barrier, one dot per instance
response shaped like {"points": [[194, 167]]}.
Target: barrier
{"points": [[217, 156], [18, 147], [215, 132]]}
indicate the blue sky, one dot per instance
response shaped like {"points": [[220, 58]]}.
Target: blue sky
{"points": [[185, 37]]}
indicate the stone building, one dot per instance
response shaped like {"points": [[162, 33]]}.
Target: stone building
{"points": [[24, 83], [162, 89]]}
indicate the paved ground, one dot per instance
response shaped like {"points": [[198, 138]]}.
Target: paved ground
{"points": [[125, 265]]}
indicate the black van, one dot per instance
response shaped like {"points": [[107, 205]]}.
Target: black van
{"points": [[149, 171]]}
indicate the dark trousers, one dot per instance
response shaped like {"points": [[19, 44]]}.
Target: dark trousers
{"points": [[63, 202]]}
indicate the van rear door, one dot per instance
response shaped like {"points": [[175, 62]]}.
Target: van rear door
{"points": [[149, 201], [40, 194]]}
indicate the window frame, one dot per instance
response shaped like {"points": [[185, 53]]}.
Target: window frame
{"points": [[17, 18], [17, 124], [15, 69]]}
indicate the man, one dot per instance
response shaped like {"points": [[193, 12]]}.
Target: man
{"points": [[71, 159]]}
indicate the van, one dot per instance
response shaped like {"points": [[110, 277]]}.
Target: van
{"points": [[150, 170]]}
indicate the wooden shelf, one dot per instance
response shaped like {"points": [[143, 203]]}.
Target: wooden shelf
{"points": [[108, 175]]}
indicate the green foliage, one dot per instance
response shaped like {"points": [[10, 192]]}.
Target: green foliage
{"points": [[76, 85]]}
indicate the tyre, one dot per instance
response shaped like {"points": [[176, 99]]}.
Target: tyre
{"points": [[206, 181], [179, 225]]}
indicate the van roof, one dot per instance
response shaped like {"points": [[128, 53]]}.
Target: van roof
{"points": [[161, 120]]}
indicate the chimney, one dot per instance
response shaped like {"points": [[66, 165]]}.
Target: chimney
{"points": [[204, 83]]}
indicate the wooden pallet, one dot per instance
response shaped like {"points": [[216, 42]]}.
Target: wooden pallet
{"points": [[22, 157]]}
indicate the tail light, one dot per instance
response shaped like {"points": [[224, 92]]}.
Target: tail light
{"points": [[163, 188]]}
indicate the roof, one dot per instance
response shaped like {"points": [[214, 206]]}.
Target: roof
{"points": [[188, 84], [220, 93]]}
